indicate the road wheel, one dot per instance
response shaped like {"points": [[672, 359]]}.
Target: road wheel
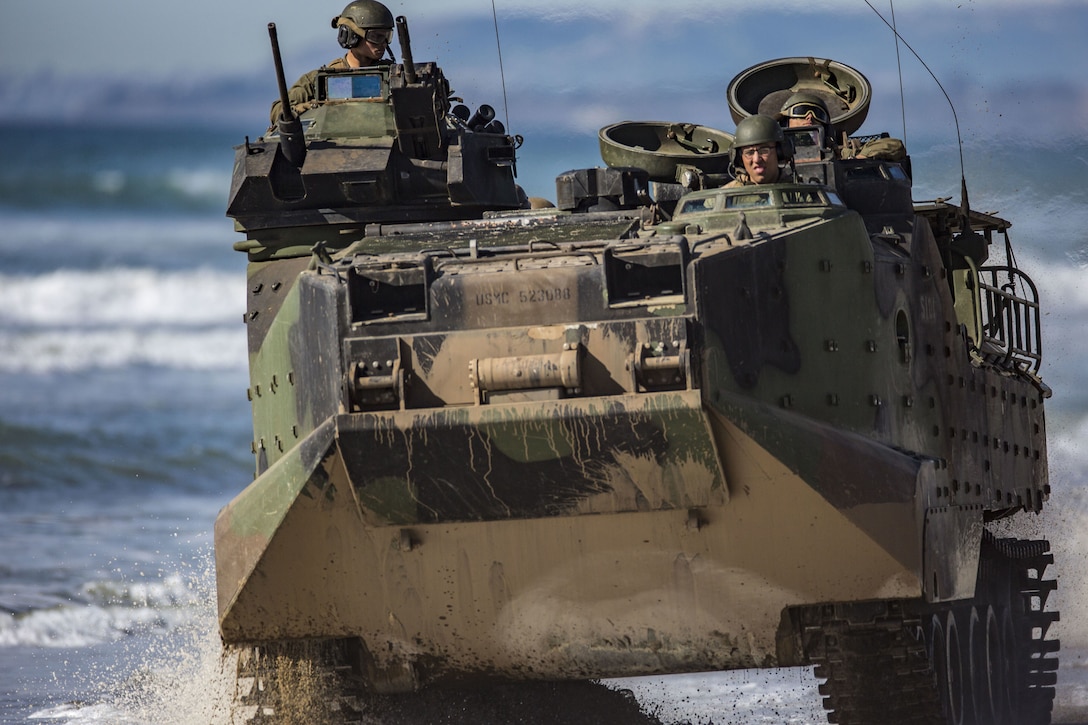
{"points": [[954, 688]]}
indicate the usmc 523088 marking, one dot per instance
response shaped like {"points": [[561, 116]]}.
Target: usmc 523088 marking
{"points": [[524, 296]]}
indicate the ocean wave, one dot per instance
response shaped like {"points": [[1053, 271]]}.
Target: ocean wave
{"points": [[85, 626], [121, 297], [210, 184], [1068, 455], [26, 230], [31, 243], [173, 187], [110, 611], [135, 169], [1063, 305], [206, 186], [193, 189], [72, 350], [171, 592], [1062, 283], [78, 319]]}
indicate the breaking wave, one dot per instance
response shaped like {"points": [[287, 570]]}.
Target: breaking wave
{"points": [[70, 320]]}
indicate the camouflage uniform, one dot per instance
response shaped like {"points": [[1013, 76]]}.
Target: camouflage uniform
{"points": [[889, 149]]}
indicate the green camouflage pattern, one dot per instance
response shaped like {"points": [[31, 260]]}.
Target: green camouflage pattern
{"points": [[600, 440]]}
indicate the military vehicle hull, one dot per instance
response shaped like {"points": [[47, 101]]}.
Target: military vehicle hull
{"points": [[768, 428], [611, 592]]}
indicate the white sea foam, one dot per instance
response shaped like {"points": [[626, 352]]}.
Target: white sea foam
{"points": [[108, 181], [199, 183], [116, 297], [1068, 451], [62, 350], [112, 612], [71, 320], [84, 626], [182, 675]]}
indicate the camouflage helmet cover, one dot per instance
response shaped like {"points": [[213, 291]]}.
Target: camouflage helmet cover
{"points": [[362, 15], [756, 130]]}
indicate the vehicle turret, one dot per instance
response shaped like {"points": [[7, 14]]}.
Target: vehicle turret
{"points": [[378, 144]]}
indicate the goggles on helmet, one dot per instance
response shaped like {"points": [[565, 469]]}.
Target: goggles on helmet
{"points": [[801, 110], [378, 36]]}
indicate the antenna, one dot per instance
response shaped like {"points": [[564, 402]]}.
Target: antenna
{"points": [[899, 66], [502, 75], [959, 139]]}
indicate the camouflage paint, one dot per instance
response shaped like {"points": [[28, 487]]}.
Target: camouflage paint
{"points": [[587, 442]]}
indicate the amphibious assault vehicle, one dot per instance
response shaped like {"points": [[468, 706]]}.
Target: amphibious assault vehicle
{"points": [[661, 426]]}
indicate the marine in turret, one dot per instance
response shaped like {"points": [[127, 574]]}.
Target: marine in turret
{"points": [[761, 153], [808, 110], [807, 117], [365, 30]]}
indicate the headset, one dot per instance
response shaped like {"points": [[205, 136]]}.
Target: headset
{"points": [[347, 37]]}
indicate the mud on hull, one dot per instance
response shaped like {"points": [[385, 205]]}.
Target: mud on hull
{"points": [[703, 428], [633, 575]]}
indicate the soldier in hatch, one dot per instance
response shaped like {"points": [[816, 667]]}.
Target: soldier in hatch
{"points": [[761, 153], [808, 109], [805, 109], [364, 29]]}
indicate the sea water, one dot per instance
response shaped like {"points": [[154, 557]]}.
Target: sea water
{"points": [[124, 425]]}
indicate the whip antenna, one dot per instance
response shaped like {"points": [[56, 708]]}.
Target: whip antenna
{"points": [[955, 118], [899, 67], [502, 75]]}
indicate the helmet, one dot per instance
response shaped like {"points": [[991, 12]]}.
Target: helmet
{"points": [[800, 104], [756, 130], [358, 17]]}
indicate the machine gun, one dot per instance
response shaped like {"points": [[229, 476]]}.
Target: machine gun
{"points": [[290, 127]]}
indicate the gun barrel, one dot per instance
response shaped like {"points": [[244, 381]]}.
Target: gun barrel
{"points": [[292, 140], [285, 109], [406, 49]]}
